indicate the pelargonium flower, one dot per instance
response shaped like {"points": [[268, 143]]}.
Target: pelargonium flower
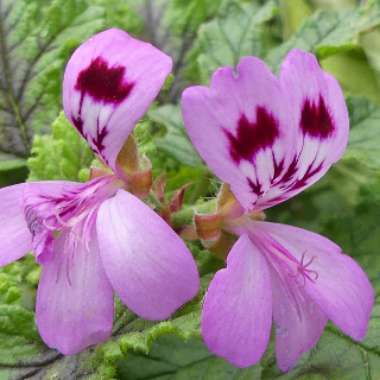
{"points": [[270, 138], [94, 239]]}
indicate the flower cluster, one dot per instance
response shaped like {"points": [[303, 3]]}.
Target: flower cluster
{"points": [[267, 138]]}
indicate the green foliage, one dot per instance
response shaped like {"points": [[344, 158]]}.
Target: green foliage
{"points": [[328, 32], [36, 39], [237, 32], [201, 35], [364, 136], [174, 142], [62, 155], [19, 340]]}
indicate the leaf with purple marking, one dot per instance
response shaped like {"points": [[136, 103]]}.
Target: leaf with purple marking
{"points": [[36, 39]]}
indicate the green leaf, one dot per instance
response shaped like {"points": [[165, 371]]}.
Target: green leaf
{"points": [[354, 73], [328, 32], [337, 357], [174, 350], [370, 42], [36, 37], [64, 155], [293, 14], [19, 341], [13, 169], [236, 33], [175, 142], [185, 16], [364, 140]]}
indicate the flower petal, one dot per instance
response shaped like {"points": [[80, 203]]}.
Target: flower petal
{"points": [[16, 240], [268, 138], [334, 281], [241, 127], [299, 321], [321, 122], [74, 300], [40, 201], [147, 264], [237, 310], [109, 83]]}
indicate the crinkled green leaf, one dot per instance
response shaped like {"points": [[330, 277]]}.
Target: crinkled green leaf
{"points": [[35, 40], [173, 350], [329, 32], [61, 155], [174, 142], [235, 33], [19, 341], [364, 143]]}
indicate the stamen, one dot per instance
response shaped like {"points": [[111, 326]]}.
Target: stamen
{"points": [[304, 271]]}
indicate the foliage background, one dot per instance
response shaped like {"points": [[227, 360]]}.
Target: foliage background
{"points": [[36, 142]]}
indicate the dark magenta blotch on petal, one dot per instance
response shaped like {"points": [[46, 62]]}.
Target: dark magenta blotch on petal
{"points": [[256, 187], [316, 120], [251, 137], [78, 123], [104, 83], [98, 141]]}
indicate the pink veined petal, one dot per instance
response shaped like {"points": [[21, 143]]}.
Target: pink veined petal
{"points": [[299, 322], [75, 299], [237, 309], [15, 237], [320, 123], [39, 203], [270, 138], [336, 282], [241, 126], [148, 265], [108, 85]]}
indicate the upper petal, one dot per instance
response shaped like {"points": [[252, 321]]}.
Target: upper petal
{"points": [[16, 240], [74, 306], [237, 309], [268, 138], [334, 281], [148, 265], [320, 122], [108, 85], [240, 126]]}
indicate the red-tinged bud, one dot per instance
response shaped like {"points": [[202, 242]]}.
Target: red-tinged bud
{"points": [[158, 188], [177, 199], [135, 170], [208, 227]]}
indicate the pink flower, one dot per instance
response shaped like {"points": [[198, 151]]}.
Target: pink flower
{"points": [[95, 239], [270, 138]]}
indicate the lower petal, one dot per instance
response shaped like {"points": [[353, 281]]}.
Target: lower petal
{"points": [[299, 321], [74, 299], [338, 285], [148, 265], [237, 310]]}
